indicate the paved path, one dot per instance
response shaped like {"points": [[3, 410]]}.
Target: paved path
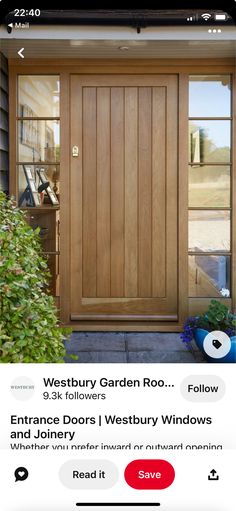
{"points": [[130, 347]]}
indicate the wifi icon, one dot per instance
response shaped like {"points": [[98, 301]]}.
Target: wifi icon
{"points": [[206, 16]]}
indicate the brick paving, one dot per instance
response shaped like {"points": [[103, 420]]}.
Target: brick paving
{"points": [[130, 348]]}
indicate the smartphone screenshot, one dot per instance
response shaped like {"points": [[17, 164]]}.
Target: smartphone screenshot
{"points": [[117, 257]]}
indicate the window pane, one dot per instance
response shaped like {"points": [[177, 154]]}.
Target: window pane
{"points": [[209, 141], [209, 96], [38, 141], [209, 276], [38, 96], [209, 231], [30, 177], [209, 186]]}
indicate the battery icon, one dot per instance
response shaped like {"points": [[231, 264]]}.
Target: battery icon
{"points": [[220, 17]]}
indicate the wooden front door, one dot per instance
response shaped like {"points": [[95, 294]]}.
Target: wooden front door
{"points": [[124, 198]]}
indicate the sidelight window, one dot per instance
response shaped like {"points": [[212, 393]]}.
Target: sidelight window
{"points": [[38, 161], [210, 163]]}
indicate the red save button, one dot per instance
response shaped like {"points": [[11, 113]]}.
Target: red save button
{"points": [[149, 474]]}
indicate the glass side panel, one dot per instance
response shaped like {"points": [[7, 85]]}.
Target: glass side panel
{"points": [[209, 141], [209, 186], [38, 96], [209, 231], [209, 276], [38, 185], [38, 141], [210, 96]]}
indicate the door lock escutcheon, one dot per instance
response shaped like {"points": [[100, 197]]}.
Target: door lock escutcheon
{"points": [[75, 151]]}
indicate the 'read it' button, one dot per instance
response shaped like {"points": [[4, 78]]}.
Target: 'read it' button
{"points": [[149, 474]]}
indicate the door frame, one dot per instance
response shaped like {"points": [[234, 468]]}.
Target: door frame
{"points": [[181, 67]]}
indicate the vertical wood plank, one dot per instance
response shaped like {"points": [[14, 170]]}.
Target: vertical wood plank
{"points": [[145, 192], [131, 192], [183, 197], [117, 191], [172, 192], [89, 192], [158, 192], [76, 194], [65, 200], [103, 193]]}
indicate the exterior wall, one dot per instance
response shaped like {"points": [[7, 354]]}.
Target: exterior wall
{"points": [[4, 165]]}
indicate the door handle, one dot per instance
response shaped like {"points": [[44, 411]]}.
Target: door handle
{"points": [[75, 151]]}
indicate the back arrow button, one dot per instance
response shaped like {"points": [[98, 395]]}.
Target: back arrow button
{"points": [[20, 53]]}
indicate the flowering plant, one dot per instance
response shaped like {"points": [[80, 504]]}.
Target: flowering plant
{"points": [[217, 317]]}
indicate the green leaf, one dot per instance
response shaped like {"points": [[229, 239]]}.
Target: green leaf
{"points": [[29, 327]]}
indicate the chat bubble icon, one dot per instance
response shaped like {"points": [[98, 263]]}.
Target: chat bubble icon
{"points": [[21, 474]]}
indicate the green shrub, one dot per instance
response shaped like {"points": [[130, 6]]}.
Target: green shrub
{"points": [[29, 329]]}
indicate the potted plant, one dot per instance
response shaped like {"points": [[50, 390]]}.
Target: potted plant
{"points": [[217, 317], [29, 328]]}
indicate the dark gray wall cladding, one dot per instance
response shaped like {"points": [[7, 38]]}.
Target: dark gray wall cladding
{"points": [[4, 141]]}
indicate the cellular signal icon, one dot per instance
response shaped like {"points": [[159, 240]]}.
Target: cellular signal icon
{"points": [[206, 16]]}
